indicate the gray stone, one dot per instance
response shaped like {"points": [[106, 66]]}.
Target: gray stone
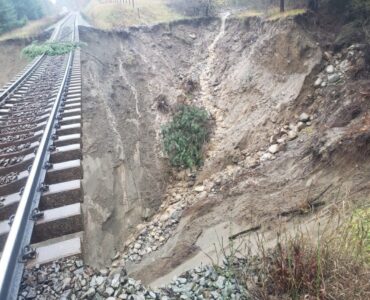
{"points": [[89, 294], [220, 283], [267, 156], [137, 246], [66, 295], [330, 69], [304, 117], [181, 280], [301, 125], [333, 78], [115, 281], [67, 283], [100, 280], [104, 272], [274, 148], [202, 281], [31, 293], [79, 263], [282, 140], [199, 188], [318, 82], [109, 291], [292, 135], [93, 281]]}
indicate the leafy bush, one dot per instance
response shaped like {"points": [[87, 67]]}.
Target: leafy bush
{"points": [[49, 48], [185, 136]]}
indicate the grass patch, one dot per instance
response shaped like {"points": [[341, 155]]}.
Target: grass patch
{"points": [[275, 14], [31, 29], [48, 48], [272, 13], [112, 15], [185, 135], [248, 13]]}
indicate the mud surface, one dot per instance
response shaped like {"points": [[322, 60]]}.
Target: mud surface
{"points": [[256, 79]]}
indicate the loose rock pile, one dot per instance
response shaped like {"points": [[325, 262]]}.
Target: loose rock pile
{"points": [[153, 235], [70, 279], [282, 136], [340, 65]]}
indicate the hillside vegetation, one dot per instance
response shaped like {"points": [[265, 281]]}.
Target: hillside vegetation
{"points": [[109, 15], [17, 13]]}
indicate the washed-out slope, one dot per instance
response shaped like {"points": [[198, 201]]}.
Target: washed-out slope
{"points": [[256, 78]]}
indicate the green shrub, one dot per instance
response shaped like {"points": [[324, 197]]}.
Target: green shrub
{"points": [[185, 136], [49, 48]]}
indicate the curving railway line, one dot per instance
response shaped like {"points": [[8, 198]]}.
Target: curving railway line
{"points": [[40, 163]]}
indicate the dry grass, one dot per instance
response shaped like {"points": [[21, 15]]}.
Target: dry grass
{"points": [[275, 14], [270, 14], [31, 29], [333, 265], [146, 12], [248, 13]]}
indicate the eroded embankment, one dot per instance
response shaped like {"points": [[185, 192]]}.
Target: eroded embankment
{"points": [[125, 173], [278, 143]]}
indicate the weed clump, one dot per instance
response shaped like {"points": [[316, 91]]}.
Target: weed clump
{"points": [[48, 48], [185, 136], [335, 265]]}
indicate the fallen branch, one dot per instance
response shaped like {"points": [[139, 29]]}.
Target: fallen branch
{"points": [[252, 229], [310, 205]]}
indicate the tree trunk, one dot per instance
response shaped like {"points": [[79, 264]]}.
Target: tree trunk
{"points": [[282, 5], [313, 5]]}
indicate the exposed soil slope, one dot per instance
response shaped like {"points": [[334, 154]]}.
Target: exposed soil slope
{"points": [[11, 60], [125, 174], [281, 145]]}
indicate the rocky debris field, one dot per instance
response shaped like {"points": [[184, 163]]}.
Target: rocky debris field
{"points": [[71, 279]]}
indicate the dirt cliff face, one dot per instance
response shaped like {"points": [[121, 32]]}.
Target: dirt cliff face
{"points": [[278, 147], [124, 172]]}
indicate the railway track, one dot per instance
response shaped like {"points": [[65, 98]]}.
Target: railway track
{"points": [[40, 163]]}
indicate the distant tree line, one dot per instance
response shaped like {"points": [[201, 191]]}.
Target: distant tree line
{"points": [[208, 7], [194, 8], [15, 13]]}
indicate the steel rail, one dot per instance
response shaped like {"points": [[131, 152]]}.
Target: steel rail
{"points": [[33, 67], [17, 247]]}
